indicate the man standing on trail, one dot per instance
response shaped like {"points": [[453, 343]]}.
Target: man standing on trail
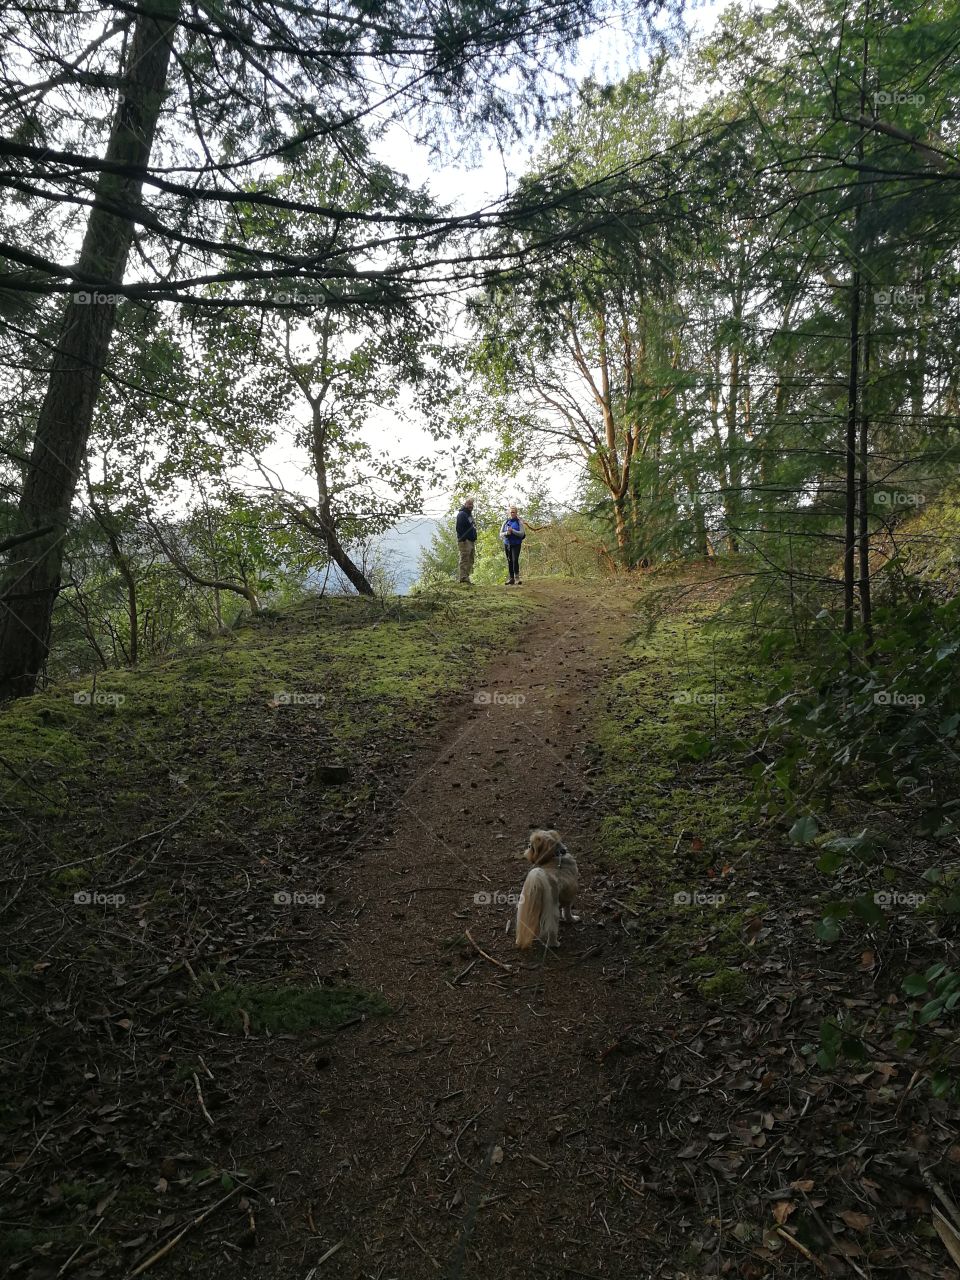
{"points": [[466, 540]]}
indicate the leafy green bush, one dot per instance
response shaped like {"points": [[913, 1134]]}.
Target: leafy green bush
{"points": [[886, 727]]}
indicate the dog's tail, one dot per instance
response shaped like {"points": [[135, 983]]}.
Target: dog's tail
{"points": [[532, 906]]}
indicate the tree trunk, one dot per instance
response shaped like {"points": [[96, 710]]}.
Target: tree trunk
{"points": [[31, 584], [866, 609], [850, 478], [700, 528], [620, 526], [734, 460], [105, 520], [853, 386], [242, 588], [335, 548]]}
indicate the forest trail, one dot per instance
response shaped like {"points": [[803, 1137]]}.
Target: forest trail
{"points": [[465, 1136], [423, 1100]]}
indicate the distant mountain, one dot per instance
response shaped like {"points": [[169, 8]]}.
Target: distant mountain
{"points": [[400, 548]]}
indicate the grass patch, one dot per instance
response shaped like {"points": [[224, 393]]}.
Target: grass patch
{"points": [[726, 986], [95, 762], [279, 1009], [673, 751], [680, 720]]}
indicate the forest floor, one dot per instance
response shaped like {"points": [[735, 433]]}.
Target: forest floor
{"points": [[371, 1081]]}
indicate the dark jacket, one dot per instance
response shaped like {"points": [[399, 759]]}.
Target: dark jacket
{"points": [[466, 529]]}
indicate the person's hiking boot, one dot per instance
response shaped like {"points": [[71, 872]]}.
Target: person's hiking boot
{"points": [[510, 583]]}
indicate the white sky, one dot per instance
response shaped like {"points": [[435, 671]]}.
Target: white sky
{"points": [[605, 56]]}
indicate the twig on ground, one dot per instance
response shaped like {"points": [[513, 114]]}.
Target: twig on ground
{"points": [[941, 1195], [802, 1248], [413, 1151], [330, 1252], [506, 968], [175, 1240], [830, 1236], [422, 1249], [203, 1107]]}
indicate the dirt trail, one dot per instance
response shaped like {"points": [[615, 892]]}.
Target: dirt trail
{"points": [[466, 1136]]}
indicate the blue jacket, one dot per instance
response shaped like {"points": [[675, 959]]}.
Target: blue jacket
{"points": [[512, 533], [466, 529]]}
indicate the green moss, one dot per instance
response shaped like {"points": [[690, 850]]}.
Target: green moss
{"points": [[289, 1008], [670, 754], [685, 706], [941, 897], [95, 772], [20, 1241], [727, 986], [69, 877], [81, 1193]]}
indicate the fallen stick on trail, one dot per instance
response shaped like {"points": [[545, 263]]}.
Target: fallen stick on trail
{"points": [[505, 967], [175, 1240]]}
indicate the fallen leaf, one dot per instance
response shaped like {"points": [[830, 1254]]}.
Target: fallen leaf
{"points": [[782, 1210], [859, 1221], [104, 1201]]}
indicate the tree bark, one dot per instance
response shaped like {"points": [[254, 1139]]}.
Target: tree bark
{"points": [[863, 490], [853, 387], [335, 548], [734, 466], [104, 519], [31, 585], [620, 527]]}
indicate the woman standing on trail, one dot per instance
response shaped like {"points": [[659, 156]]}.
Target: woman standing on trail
{"points": [[512, 533]]}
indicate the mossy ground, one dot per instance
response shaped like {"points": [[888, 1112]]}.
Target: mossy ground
{"points": [[673, 751], [106, 754], [289, 1009]]}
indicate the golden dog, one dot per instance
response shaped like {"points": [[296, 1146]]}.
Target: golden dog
{"points": [[550, 887]]}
